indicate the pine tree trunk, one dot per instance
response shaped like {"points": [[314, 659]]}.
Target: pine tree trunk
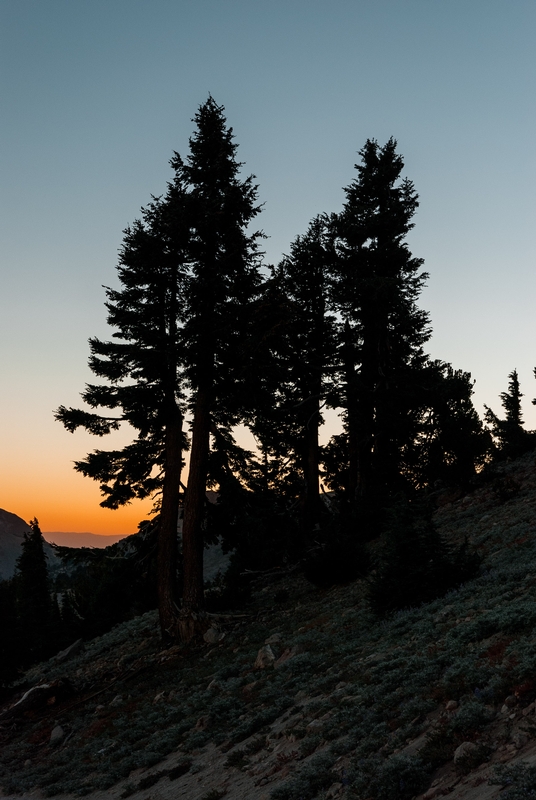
{"points": [[366, 427], [351, 419], [192, 616], [310, 470], [167, 534]]}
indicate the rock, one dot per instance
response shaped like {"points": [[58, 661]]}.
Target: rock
{"points": [[69, 652], [213, 636], [275, 638], [465, 752], [265, 658], [290, 652], [160, 697], [203, 723], [510, 701], [452, 705], [249, 688], [214, 686], [374, 659], [57, 735], [116, 702], [334, 790], [432, 792], [315, 725], [519, 739], [529, 709], [99, 708]]}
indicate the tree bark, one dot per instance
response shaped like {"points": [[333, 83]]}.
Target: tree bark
{"points": [[310, 471], [167, 535], [192, 616], [350, 380]]}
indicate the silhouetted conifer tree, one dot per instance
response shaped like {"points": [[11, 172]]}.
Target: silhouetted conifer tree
{"points": [[511, 437], [376, 284], [223, 279], [302, 352], [451, 443], [33, 600], [142, 371], [188, 271]]}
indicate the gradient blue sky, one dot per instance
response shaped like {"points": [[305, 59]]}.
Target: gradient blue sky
{"points": [[96, 95]]}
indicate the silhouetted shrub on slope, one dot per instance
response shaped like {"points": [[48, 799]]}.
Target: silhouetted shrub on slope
{"points": [[415, 564], [338, 555]]}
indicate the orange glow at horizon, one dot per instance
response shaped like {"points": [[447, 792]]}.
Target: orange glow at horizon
{"points": [[37, 478], [76, 510], [63, 500]]}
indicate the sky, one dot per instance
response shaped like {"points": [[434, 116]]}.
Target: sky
{"points": [[97, 95]]}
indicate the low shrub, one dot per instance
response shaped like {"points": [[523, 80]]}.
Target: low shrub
{"points": [[317, 775], [519, 781], [396, 778], [337, 555], [415, 564]]}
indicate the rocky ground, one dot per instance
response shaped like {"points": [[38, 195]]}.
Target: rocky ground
{"points": [[305, 694]]}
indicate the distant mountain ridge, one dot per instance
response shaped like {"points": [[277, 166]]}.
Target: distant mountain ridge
{"points": [[85, 539]]}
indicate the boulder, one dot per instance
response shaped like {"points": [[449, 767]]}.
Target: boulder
{"points": [[275, 638], [334, 790], [57, 735], [116, 702], [519, 739], [466, 752], [265, 658], [69, 652], [290, 652], [203, 723], [213, 636]]}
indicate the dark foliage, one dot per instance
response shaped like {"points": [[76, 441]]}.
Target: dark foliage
{"points": [[376, 283], [10, 643], [33, 598], [505, 488], [415, 565], [512, 440], [337, 555], [259, 527], [108, 586]]}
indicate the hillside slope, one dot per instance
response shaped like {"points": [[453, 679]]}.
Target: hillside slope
{"points": [[307, 695]]}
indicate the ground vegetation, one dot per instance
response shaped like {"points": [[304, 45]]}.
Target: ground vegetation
{"points": [[307, 695]]}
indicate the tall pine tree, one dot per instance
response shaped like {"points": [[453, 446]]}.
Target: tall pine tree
{"points": [[144, 387], [33, 600], [303, 352], [223, 279], [188, 270], [376, 285]]}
